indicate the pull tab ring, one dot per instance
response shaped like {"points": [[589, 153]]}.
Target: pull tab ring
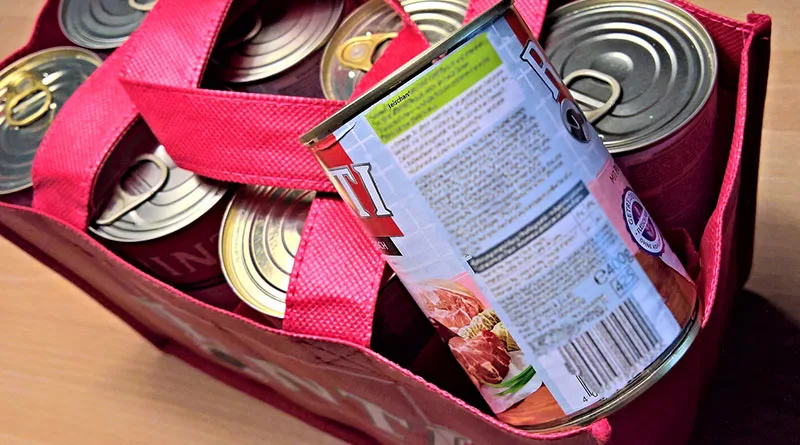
{"points": [[357, 52], [23, 86], [144, 7], [123, 202], [599, 108]]}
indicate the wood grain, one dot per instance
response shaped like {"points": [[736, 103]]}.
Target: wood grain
{"points": [[71, 373]]}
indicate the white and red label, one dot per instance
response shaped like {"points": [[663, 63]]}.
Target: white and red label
{"points": [[501, 211]]}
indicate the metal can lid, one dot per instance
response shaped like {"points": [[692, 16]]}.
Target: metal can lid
{"points": [[662, 58], [101, 24], [281, 37], [259, 240], [364, 34], [32, 91], [155, 198], [437, 19]]}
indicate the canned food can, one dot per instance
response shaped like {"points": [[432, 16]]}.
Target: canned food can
{"points": [[364, 35], [165, 220], [101, 24], [496, 203], [645, 73], [274, 49], [32, 91], [258, 242]]}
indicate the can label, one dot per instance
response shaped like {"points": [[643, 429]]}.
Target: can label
{"points": [[499, 208]]}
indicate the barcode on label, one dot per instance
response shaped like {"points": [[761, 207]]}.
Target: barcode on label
{"points": [[612, 352]]}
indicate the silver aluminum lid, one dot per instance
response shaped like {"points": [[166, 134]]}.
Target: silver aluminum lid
{"points": [[32, 91], [273, 38], [101, 24], [662, 58], [259, 240], [155, 199]]}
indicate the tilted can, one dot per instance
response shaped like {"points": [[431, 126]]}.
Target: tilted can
{"points": [[366, 32], [32, 91], [258, 243], [276, 47], [497, 205], [165, 220], [645, 72], [101, 24]]}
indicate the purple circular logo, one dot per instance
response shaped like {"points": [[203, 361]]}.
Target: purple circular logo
{"points": [[640, 225]]}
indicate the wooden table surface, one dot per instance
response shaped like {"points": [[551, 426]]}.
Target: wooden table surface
{"points": [[71, 373]]}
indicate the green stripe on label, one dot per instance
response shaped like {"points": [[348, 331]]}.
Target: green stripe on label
{"points": [[435, 89]]}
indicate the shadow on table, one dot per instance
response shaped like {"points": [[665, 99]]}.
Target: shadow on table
{"points": [[754, 396]]}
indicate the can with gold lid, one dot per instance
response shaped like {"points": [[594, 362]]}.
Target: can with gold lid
{"points": [[275, 48], [32, 91], [165, 220], [258, 243], [364, 34], [101, 24], [645, 73]]}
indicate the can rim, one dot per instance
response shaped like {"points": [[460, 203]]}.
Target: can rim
{"points": [[407, 71], [328, 51], [646, 379], [90, 57], [692, 24], [172, 230], [113, 43], [227, 261], [56, 49]]}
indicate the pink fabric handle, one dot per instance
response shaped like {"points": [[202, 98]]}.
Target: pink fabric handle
{"points": [[78, 142]]}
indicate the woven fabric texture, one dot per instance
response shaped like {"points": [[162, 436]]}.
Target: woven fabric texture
{"points": [[71, 155]]}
